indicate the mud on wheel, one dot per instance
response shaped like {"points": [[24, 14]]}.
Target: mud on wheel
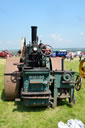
{"points": [[13, 77]]}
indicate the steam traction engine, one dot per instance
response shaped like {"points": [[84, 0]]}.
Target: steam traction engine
{"points": [[36, 78]]}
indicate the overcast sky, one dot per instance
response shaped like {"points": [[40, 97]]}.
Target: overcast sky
{"points": [[61, 23]]}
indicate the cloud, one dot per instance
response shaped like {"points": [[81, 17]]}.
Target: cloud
{"points": [[56, 37], [41, 36], [81, 33], [10, 44]]}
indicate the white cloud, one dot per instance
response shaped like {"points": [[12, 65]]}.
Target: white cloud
{"points": [[53, 36], [81, 33], [56, 37], [41, 36], [59, 41], [10, 44]]}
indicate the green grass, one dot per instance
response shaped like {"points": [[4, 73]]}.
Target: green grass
{"points": [[14, 115]]}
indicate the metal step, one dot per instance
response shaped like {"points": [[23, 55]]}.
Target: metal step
{"points": [[36, 93], [24, 97]]}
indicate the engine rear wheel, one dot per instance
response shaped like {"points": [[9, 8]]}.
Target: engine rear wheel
{"points": [[11, 88]]}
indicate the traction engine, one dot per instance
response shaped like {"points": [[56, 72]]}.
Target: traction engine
{"points": [[36, 78]]}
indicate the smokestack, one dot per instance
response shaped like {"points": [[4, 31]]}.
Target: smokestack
{"points": [[34, 34]]}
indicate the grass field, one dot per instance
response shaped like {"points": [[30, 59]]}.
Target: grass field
{"points": [[14, 115]]}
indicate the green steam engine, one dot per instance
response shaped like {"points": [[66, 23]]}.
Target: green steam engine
{"points": [[37, 78]]}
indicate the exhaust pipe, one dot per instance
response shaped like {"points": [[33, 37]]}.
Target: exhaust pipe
{"points": [[34, 34]]}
